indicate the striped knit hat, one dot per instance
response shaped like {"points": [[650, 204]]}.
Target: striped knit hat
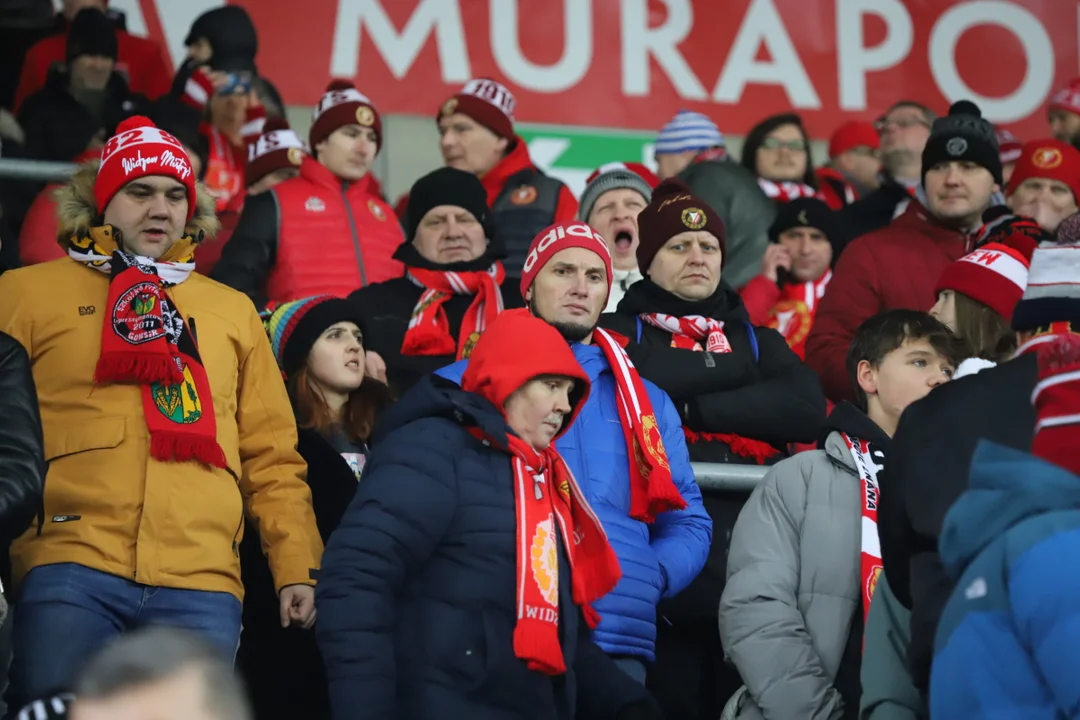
{"points": [[294, 327], [994, 275], [1056, 398], [688, 130], [614, 176], [1053, 289]]}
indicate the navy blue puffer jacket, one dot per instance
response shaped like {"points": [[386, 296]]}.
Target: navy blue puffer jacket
{"points": [[416, 597]]}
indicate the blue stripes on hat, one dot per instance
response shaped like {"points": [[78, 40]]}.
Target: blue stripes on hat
{"points": [[688, 131]]}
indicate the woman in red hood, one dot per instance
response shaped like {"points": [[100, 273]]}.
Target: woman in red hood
{"points": [[460, 580]]}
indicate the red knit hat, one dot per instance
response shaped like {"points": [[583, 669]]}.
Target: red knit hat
{"points": [[1009, 148], [140, 149], [851, 135], [342, 104], [1067, 98], [673, 210], [1057, 402], [277, 148], [1050, 159], [556, 238], [485, 101], [995, 275], [497, 368]]}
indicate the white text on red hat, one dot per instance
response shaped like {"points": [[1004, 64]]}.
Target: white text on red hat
{"points": [[560, 232]]}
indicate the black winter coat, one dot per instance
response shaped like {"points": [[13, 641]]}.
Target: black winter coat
{"points": [[927, 471], [416, 597], [22, 449], [773, 398], [282, 666], [387, 307], [872, 212]]}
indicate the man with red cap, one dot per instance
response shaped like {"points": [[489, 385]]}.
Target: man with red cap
{"points": [[1064, 112], [476, 126], [613, 196], [1009, 148], [325, 232], [626, 446], [165, 422], [854, 166], [490, 505], [1045, 185]]}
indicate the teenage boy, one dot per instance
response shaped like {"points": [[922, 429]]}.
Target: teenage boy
{"points": [[804, 559]]}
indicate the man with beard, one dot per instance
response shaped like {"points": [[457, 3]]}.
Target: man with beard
{"points": [[626, 446], [454, 283], [610, 202]]}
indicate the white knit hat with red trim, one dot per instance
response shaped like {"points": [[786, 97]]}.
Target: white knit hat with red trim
{"points": [[995, 275], [614, 176]]}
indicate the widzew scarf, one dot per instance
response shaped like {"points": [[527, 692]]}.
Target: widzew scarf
{"points": [[550, 508], [146, 341], [429, 330], [793, 315], [868, 463], [689, 333], [652, 490], [785, 192]]}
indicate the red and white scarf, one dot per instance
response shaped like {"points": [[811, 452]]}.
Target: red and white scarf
{"points": [[550, 508], [652, 490], [429, 330], [793, 315], [688, 333], [785, 192], [870, 560]]}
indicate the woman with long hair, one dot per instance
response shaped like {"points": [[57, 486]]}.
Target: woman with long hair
{"points": [[319, 345]]}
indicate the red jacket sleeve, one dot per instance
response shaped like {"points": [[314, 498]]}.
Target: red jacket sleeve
{"points": [[37, 238], [567, 207], [760, 296], [154, 77], [852, 297], [35, 68]]}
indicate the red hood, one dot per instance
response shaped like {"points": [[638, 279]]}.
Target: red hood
{"points": [[498, 367], [515, 161]]}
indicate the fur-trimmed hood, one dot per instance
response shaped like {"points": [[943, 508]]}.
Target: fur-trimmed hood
{"points": [[76, 207]]}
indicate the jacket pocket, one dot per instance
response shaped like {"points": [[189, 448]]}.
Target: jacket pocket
{"points": [[101, 434]]}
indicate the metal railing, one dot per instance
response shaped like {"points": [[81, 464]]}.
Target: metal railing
{"points": [[35, 170], [728, 478]]}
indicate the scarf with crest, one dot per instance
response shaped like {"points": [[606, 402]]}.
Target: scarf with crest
{"points": [[869, 462], [793, 315], [785, 192], [429, 329], [550, 508], [146, 341]]}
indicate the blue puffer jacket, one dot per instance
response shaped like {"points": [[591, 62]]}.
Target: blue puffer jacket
{"points": [[657, 560], [417, 594], [1008, 644]]}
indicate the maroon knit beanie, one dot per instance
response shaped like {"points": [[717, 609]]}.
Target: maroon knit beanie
{"points": [[487, 102], [673, 210], [342, 104]]}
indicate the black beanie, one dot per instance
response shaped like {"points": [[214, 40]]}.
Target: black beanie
{"points": [[446, 186], [91, 33], [294, 327], [963, 134], [804, 212]]}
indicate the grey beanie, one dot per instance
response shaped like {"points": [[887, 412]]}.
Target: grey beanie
{"points": [[612, 177]]}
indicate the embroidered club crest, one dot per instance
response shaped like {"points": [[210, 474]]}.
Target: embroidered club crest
{"points": [[470, 343], [314, 204], [365, 116], [791, 318], [544, 561], [693, 218], [872, 581], [449, 107], [295, 155], [524, 195], [376, 210], [654, 443], [133, 317], [1046, 158], [956, 146], [178, 402]]}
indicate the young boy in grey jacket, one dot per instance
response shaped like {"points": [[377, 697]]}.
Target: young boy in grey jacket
{"points": [[805, 559]]}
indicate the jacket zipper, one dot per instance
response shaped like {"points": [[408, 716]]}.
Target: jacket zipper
{"points": [[235, 544], [355, 237]]}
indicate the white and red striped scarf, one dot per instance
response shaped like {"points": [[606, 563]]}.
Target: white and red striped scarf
{"points": [[870, 560], [793, 315], [785, 192], [652, 489], [429, 330]]}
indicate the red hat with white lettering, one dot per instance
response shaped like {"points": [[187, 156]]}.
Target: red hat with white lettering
{"points": [[487, 102], [277, 148], [140, 149], [556, 238], [1050, 159], [342, 104], [995, 275], [1009, 148], [1067, 98]]}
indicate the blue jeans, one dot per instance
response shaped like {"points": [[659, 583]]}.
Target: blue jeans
{"points": [[67, 612]]}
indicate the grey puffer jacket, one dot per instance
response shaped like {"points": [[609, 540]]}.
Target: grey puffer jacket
{"points": [[793, 586]]}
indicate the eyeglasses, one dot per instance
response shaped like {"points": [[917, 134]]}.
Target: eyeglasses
{"points": [[777, 144], [901, 123]]}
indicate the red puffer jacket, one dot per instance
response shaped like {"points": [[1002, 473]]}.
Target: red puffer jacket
{"points": [[895, 267]]}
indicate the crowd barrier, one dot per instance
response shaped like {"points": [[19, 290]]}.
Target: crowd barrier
{"points": [[35, 170]]}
